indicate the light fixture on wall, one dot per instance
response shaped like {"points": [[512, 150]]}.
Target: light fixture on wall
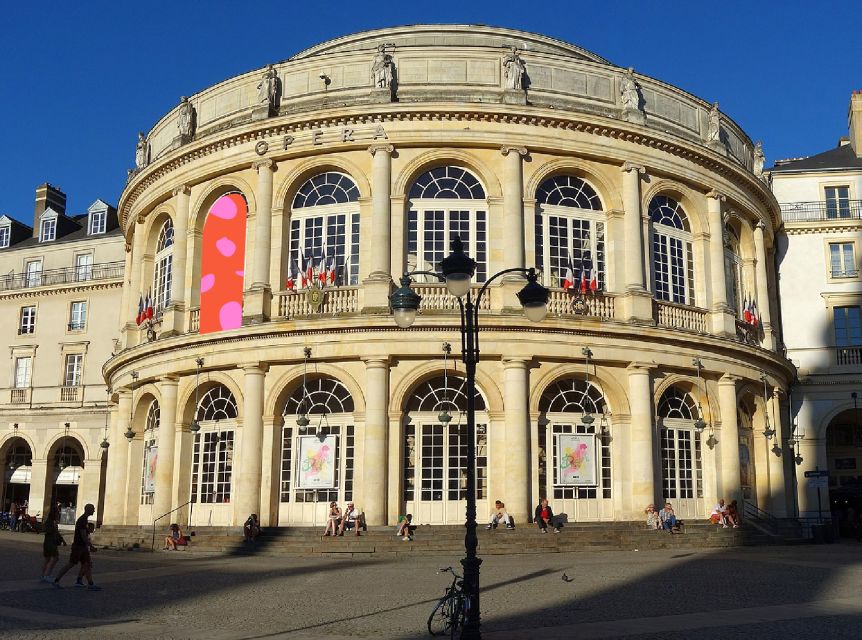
{"points": [[444, 416], [15, 429], [104, 444], [794, 442], [587, 419], [195, 426], [604, 423], [62, 463], [302, 417], [130, 433], [768, 431], [700, 423]]}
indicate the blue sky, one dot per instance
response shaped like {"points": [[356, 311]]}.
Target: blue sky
{"points": [[78, 80]]}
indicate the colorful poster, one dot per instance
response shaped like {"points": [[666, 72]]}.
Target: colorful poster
{"points": [[223, 264], [317, 462], [150, 460], [576, 459]]}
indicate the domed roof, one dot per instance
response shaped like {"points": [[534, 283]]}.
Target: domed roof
{"points": [[451, 35]]}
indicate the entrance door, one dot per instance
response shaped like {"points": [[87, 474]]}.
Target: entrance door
{"points": [[682, 469], [436, 471]]}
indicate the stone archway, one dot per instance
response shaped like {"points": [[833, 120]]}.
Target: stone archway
{"points": [[844, 456]]}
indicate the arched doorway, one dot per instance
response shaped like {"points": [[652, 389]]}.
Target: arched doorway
{"points": [[574, 453], [17, 460], [681, 453], [844, 455], [435, 452], [317, 452], [65, 468], [747, 464]]}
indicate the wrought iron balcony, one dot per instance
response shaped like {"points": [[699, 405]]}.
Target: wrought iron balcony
{"points": [[821, 210], [67, 275]]}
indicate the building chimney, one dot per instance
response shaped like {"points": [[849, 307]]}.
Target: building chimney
{"points": [[49, 196], [854, 122]]}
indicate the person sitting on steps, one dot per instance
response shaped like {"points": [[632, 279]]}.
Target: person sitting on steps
{"points": [[251, 529], [352, 519], [668, 519], [653, 521], [544, 516], [500, 515], [406, 528], [174, 538], [334, 520]]}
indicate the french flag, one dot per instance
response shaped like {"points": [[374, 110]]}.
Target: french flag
{"points": [[307, 270], [140, 317], [149, 307], [332, 270], [292, 275], [321, 268], [594, 283], [746, 310], [755, 320], [569, 280]]}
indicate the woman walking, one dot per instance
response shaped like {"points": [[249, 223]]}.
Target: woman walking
{"points": [[50, 547]]}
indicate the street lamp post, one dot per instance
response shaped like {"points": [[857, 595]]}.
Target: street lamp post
{"points": [[457, 271]]}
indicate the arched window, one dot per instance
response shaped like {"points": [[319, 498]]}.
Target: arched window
{"points": [[732, 268], [681, 451], [570, 232], [439, 394], [317, 458], [217, 404], [573, 444], [446, 202], [163, 264], [672, 255], [148, 469], [19, 454], [324, 229]]}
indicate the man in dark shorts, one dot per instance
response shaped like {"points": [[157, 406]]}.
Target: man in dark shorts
{"points": [[80, 551]]}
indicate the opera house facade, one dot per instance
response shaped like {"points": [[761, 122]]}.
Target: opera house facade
{"points": [[270, 217]]}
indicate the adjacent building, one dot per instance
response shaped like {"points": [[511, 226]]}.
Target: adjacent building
{"points": [[821, 285], [270, 215], [60, 292]]}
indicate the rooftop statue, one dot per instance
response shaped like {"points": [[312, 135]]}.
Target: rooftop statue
{"points": [[267, 90], [513, 71]]}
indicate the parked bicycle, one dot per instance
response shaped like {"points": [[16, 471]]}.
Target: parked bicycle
{"points": [[5, 520], [450, 612]]}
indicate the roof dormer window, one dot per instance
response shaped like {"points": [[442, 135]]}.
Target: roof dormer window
{"points": [[98, 222], [5, 233], [48, 230]]}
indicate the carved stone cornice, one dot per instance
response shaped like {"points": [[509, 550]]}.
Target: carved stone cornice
{"points": [[385, 147], [59, 289], [507, 149]]}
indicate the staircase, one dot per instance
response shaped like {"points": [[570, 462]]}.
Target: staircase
{"points": [[446, 540]]}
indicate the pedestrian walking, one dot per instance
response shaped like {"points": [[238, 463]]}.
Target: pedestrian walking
{"points": [[50, 547], [80, 551]]}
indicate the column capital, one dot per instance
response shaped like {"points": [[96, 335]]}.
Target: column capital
{"points": [[375, 362], [631, 166], [385, 147], [615, 214], [641, 367], [181, 189], [760, 226], [254, 367], [519, 151], [265, 163], [169, 380], [515, 362], [140, 218], [728, 379], [717, 195]]}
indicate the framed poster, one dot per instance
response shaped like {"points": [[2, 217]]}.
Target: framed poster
{"points": [[576, 460], [316, 463], [152, 457]]}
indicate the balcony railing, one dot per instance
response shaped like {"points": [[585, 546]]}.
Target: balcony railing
{"points": [[435, 297], [20, 396], [69, 394], [677, 316], [601, 305], [68, 275], [194, 319], [849, 355], [821, 210], [335, 300]]}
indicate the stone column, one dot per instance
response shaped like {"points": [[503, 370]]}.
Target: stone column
{"points": [[777, 478], [88, 489], [258, 298], [40, 484], [642, 444], [165, 442], [517, 451], [729, 438], [376, 287], [637, 303], [135, 289], [375, 461], [118, 456], [762, 279], [513, 240], [174, 319], [127, 294], [247, 494], [722, 320]]}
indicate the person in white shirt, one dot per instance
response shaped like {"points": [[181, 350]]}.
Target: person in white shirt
{"points": [[351, 519], [721, 516]]}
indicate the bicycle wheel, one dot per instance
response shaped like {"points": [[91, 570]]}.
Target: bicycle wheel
{"points": [[440, 620], [456, 616]]}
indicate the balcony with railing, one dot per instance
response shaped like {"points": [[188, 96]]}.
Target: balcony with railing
{"points": [[832, 210], [19, 396], [67, 275], [849, 355], [69, 393], [678, 316]]}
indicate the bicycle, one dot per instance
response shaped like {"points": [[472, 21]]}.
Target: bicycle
{"points": [[451, 610]]}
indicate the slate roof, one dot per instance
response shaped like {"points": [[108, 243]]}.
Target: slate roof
{"points": [[841, 157]]}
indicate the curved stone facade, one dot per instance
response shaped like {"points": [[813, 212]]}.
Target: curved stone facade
{"points": [[363, 157]]}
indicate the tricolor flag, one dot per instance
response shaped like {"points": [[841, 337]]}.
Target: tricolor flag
{"points": [[321, 268], [594, 283], [755, 320], [149, 307], [293, 273], [308, 270], [746, 310], [332, 269], [569, 280], [140, 317], [583, 280]]}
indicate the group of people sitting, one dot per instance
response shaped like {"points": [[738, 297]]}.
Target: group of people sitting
{"points": [[543, 517], [338, 522], [666, 520]]}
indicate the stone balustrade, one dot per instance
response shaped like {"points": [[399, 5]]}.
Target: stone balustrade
{"points": [[562, 303], [677, 316]]}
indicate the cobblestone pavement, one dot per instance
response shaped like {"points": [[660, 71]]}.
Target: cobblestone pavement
{"points": [[778, 592]]}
